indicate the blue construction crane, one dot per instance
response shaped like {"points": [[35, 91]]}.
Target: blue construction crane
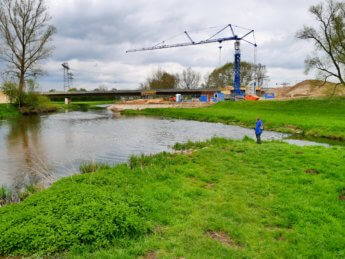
{"points": [[212, 39]]}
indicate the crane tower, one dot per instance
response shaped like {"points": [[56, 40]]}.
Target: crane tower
{"points": [[212, 39]]}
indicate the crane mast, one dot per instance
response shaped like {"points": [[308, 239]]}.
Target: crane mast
{"points": [[212, 39]]}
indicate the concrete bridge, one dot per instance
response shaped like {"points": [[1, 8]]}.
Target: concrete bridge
{"points": [[129, 93], [137, 93]]}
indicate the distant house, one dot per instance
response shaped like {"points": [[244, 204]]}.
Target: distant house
{"points": [[3, 98]]}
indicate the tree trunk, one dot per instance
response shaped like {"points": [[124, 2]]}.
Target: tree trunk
{"points": [[21, 88]]}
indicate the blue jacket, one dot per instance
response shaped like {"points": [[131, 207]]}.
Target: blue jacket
{"points": [[259, 127]]}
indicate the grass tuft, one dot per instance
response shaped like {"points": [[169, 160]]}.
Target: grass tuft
{"points": [[92, 167]]}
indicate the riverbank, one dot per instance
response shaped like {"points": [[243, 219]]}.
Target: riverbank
{"points": [[8, 111], [270, 200], [82, 105], [309, 117]]}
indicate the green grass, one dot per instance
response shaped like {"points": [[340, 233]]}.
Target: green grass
{"points": [[216, 199], [319, 118], [82, 105], [8, 111]]}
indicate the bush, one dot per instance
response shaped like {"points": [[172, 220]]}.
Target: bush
{"points": [[31, 102], [74, 213], [11, 90]]}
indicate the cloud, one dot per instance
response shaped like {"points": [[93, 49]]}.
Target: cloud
{"points": [[93, 36]]}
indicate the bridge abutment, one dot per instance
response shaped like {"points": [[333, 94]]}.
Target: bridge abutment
{"points": [[68, 100]]}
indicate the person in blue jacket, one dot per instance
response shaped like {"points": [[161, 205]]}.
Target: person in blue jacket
{"points": [[259, 127]]}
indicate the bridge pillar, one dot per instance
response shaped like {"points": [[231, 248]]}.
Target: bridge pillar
{"points": [[68, 100]]}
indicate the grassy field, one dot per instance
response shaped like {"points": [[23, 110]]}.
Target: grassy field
{"points": [[82, 105], [319, 118], [217, 199], [8, 111]]}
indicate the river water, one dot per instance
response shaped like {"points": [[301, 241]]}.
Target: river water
{"points": [[53, 146]]}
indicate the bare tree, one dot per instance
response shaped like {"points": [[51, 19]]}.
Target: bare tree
{"points": [[25, 35], [189, 79], [260, 73], [329, 40]]}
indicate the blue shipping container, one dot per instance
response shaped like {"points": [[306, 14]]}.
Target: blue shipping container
{"points": [[269, 95], [203, 98]]}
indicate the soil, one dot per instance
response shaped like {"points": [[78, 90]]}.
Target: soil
{"points": [[311, 171], [223, 238], [141, 104], [309, 88], [150, 255], [342, 195]]}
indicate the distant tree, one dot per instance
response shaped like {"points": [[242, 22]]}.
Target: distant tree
{"points": [[160, 80], [52, 90], [329, 40], [260, 72], [73, 89], [25, 34], [82, 90], [224, 76], [102, 88], [189, 79]]}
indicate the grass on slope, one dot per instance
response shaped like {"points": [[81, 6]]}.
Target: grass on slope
{"points": [[82, 105], [8, 111], [218, 199], [319, 118]]}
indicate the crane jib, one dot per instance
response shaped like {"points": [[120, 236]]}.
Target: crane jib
{"points": [[237, 58], [220, 40]]}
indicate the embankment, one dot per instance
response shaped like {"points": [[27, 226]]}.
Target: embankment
{"points": [[8, 111]]}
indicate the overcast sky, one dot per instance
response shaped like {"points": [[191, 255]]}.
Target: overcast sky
{"points": [[93, 36]]}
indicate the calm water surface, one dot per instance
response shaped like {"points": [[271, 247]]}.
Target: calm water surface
{"points": [[53, 146]]}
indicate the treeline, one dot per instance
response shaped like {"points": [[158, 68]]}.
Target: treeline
{"points": [[219, 77]]}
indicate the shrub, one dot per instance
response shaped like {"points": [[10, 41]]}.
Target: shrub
{"points": [[31, 100], [74, 213], [11, 90]]}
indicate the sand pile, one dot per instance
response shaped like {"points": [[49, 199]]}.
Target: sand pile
{"points": [[309, 88], [146, 101]]}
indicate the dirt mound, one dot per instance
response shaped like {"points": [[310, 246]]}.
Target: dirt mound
{"points": [[309, 88]]}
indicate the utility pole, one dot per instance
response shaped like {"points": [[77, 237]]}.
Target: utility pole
{"points": [[66, 76]]}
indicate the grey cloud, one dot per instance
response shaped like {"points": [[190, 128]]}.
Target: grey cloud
{"points": [[99, 32]]}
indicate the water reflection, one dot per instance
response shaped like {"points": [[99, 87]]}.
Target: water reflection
{"points": [[26, 152]]}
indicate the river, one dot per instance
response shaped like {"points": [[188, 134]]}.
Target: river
{"points": [[49, 147]]}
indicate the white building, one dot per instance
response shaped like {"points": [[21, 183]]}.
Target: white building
{"points": [[3, 98]]}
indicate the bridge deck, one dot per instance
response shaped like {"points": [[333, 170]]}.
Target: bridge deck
{"points": [[126, 93]]}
